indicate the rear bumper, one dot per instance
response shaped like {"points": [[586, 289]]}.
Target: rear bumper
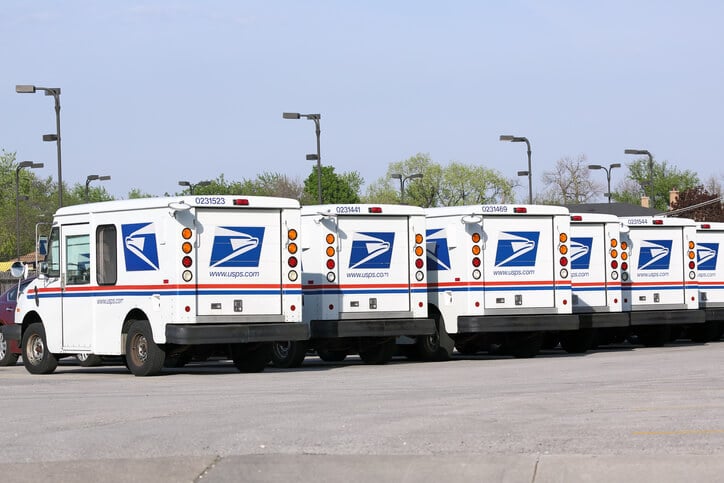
{"points": [[332, 329], [517, 323], [602, 320], [667, 317], [12, 332], [714, 313], [235, 333]]}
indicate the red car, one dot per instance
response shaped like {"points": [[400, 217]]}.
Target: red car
{"points": [[9, 349]]}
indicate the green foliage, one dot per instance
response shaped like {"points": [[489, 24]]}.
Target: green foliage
{"points": [[665, 178], [336, 188], [454, 185]]}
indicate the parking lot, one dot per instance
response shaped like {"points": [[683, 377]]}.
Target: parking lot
{"points": [[606, 415]]}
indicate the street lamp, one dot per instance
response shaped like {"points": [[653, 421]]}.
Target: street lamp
{"points": [[93, 177], [641, 152], [192, 186], [402, 182], [529, 173], [608, 175], [55, 92], [21, 165], [311, 157]]}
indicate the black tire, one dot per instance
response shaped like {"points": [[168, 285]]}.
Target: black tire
{"points": [[178, 360], [378, 353], [467, 348], [331, 355], [251, 357], [143, 356], [576, 341], [36, 357], [288, 354], [7, 358], [429, 347], [654, 335], [705, 332], [524, 345], [89, 360]]}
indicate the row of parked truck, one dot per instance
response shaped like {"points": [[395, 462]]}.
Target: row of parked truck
{"points": [[162, 280]]}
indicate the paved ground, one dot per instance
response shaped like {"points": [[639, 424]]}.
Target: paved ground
{"points": [[615, 415]]}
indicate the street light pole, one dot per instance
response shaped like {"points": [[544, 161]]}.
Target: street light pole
{"points": [[312, 157], [402, 182], [55, 92], [608, 175], [192, 186], [529, 173], [93, 177], [21, 165], [641, 152]]}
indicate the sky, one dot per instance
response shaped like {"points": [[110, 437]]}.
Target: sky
{"points": [[154, 92]]}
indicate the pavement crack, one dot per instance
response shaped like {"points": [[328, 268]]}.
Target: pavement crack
{"points": [[208, 468]]}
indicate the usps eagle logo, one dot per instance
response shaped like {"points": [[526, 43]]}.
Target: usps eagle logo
{"points": [[438, 252], [655, 255], [517, 249], [581, 253], [236, 246], [139, 247], [706, 254], [371, 250]]}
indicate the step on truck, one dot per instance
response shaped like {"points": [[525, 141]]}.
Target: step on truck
{"points": [[499, 276], [153, 278], [710, 271], [660, 284], [363, 283], [596, 263]]}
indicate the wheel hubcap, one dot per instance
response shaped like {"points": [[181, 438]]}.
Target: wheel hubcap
{"points": [[36, 349], [140, 348], [3, 346]]}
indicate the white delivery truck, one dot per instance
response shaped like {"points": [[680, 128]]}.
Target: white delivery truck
{"points": [[147, 278], [499, 274], [596, 261], [710, 271], [364, 283], [660, 285]]}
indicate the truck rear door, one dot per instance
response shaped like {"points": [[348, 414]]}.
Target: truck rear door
{"points": [[657, 275], [518, 262], [588, 265], [239, 262], [374, 264]]}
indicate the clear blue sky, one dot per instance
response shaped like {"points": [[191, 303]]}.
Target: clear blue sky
{"points": [[155, 92]]}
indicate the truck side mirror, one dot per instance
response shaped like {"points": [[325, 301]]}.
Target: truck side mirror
{"points": [[18, 270], [43, 269]]}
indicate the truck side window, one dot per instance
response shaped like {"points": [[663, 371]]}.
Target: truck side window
{"points": [[53, 257], [106, 258], [77, 260]]}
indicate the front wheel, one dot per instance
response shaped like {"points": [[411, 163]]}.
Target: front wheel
{"points": [[251, 357], [7, 358], [288, 354], [331, 355], [378, 353], [524, 345], [143, 356], [36, 356]]}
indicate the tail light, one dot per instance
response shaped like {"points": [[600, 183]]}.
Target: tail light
{"points": [[187, 249], [476, 249], [419, 253], [292, 249], [330, 251]]}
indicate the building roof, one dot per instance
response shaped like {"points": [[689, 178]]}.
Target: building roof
{"points": [[618, 209]]}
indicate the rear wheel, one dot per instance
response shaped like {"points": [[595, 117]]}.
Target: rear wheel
{"points": [[654, 335], [524, 344], [576, 341], [143, 356], [36, 357], [7, 358], [429, 347], [705, 332], [331, 355], [251, 357], [289, 353], [378, 353], [467, 348]]}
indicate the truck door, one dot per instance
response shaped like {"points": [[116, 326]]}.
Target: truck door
{"points": [[374, 263], [588, 265], [75, 280], [657, 275], [239, 262], [518, 262]]}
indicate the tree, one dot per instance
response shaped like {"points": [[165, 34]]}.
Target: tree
{"points": [[665, 179], [464, 184], [696, 196], [336, 188], [570, 182]]}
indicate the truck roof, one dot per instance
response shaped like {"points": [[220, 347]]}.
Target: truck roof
{"points": [[364, 208], [593, 218], [205, 201], [497, 210], [710, 226], [656, 220]]}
